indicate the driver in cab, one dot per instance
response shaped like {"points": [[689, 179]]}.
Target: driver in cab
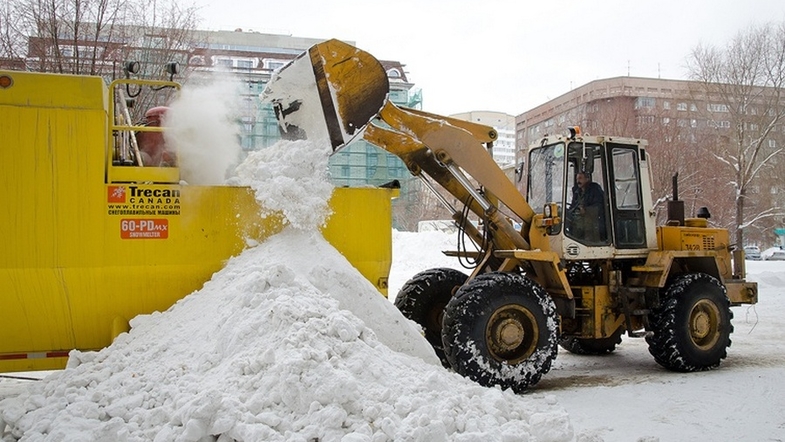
{"points": [[586, 209]]}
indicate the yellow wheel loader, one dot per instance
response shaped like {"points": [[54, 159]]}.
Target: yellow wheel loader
{"points": [[584, 268], [99, 223]]}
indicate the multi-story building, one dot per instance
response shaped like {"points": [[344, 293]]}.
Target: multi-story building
{"points": [[689, 129]]}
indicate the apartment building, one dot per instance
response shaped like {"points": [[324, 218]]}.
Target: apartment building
{"points": [[504, 147], [691, 129]]}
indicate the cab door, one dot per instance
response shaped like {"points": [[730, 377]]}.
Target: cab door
{"points": [[626, 202]]}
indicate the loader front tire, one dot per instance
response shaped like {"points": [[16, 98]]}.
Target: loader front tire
{"points": [[501, 329], [423, 298], [692, 327]]}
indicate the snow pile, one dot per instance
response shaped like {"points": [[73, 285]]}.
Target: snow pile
{"points": [[287, 343]]}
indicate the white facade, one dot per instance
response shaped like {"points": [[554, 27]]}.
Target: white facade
{"points": [[504, 146]]}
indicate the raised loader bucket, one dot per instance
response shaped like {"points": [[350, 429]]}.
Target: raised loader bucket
{"points": [[329, 92]]}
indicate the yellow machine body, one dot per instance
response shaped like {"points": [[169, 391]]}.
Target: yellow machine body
{"points": [[549, 269], [89, 245]]}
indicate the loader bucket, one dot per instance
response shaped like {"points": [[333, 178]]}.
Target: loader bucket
{"points": [[329, 92]]}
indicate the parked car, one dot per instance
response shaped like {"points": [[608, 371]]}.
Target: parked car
{"points": [[774, 254], [752, 253]]}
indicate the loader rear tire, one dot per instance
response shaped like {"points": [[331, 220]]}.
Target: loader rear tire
{"points": [[591, 347], [692, 326], [423, 298], [501, 329]]}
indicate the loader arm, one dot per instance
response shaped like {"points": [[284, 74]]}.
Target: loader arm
{"points": [[447, 151], [334, 90]]}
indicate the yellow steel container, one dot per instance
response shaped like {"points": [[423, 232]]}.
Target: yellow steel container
{"points": [[88, 245]]}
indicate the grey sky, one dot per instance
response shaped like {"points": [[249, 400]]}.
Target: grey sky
{"points": [[507, 56]]}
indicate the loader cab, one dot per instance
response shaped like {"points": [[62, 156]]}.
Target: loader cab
{"points": [[598, 185]]}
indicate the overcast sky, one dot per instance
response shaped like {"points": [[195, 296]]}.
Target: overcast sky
{"points": [[507, 56]]}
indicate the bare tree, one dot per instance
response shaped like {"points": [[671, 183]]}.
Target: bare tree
{"points": [[96, 37], [742, 85], [418, 203], [11, 41], [164, 32]]}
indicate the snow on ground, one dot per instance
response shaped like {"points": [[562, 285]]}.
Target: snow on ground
{"points": [[626, 396], [287, 343], [290, 343], [278, 359]]}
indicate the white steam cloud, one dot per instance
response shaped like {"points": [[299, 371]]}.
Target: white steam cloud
{"points": [[201, 125]]}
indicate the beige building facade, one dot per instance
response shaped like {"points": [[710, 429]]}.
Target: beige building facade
{"points": [[693, 129]]}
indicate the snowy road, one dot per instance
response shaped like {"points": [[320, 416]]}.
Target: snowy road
{"points": [[626, 396]]}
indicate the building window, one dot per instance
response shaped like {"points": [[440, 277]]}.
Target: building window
{"points": [[681, 106], [772, 143], [244, 64], [154, 41], [666, 105], [398, 96], [718, 124], [716, 107], [666, 121], [224, 62], [645, 119], [273, 64], [393, 73], [693, 108], [644, 102]]}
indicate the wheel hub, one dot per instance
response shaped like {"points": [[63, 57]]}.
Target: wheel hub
{"points": [[704, 324], [512, 334]]}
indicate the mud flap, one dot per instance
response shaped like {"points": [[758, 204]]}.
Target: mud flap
{"points": [[329, 92]]}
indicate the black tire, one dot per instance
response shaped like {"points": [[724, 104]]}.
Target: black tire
{"points": [[591, 347], [692, 327], [423, 298], [501, 329]]}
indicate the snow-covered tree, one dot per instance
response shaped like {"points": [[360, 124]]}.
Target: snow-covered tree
{"points": [[742, 86]]}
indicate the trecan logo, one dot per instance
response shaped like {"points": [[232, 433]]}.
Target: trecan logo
{"points": [[116, 194]]}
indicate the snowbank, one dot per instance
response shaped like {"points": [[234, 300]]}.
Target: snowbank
{"points": [[287, 343]]}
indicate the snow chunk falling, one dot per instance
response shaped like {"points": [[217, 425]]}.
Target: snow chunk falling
{"points": [[290, 177]]}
